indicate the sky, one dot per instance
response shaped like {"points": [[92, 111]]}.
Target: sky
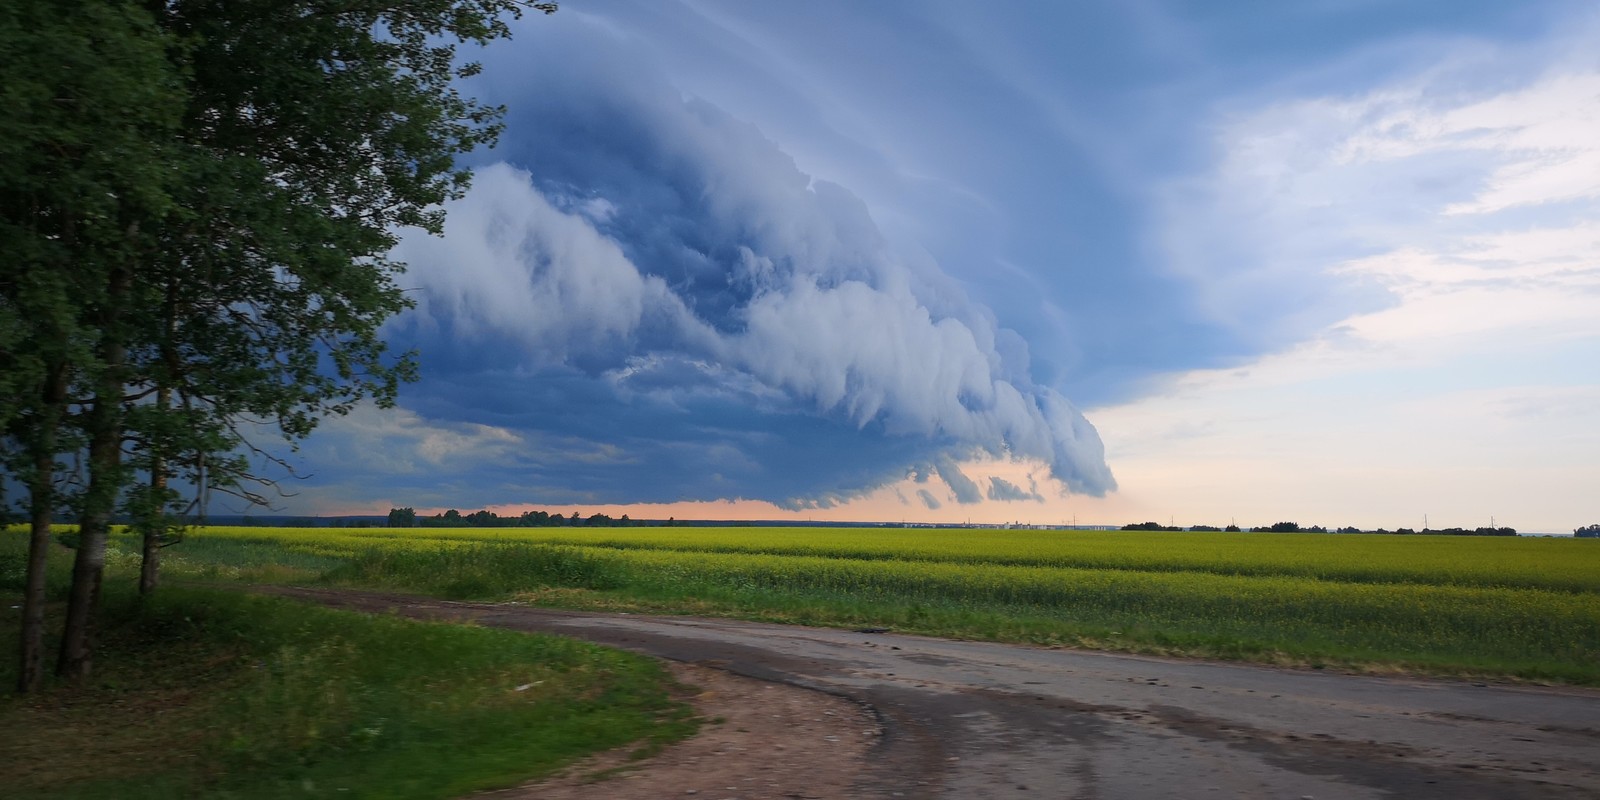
{"points": [[1335, 262]]}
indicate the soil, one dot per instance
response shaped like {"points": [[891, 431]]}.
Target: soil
{"points": [[758, 741]]}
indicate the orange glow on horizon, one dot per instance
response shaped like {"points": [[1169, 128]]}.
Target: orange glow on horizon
{"points": [[897, 502]]}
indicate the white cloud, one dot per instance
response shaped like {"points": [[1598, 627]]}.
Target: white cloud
{"points": [[401, 442], [511, 263], [1473, 392]]}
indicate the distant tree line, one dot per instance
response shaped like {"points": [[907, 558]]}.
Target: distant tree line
{"points": [[284, 522], [407, 518], [1156, 526], [1587, 532], [1295, 527], [1484, 531]]}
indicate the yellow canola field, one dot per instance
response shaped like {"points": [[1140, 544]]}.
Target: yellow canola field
{"points": [[1560, 564], [1528, 607]]}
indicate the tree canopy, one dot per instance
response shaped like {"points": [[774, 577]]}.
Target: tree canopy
{"points": [[198, 199]]}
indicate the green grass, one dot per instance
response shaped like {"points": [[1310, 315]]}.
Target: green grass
{"points": [[207, 693], [480, 571], [1518, 608]]}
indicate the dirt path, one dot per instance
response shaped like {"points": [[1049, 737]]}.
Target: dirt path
{"points": [[979, 720], [764, 741]]}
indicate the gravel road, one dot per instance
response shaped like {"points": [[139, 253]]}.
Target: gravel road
{"points": [[979, 720]]}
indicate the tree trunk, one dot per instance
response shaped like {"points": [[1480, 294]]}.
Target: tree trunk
{"points": [[150, 555], [41, 499], [105, 460], [104, 423], [157, 525], [150, 563], [31, 665]]}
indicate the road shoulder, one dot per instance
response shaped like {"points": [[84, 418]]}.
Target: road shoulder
{"points": [[759, 741]]}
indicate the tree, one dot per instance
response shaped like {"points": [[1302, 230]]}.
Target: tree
{"points": [[402, 517], [238, 172], [483, 519], [92, 108]]}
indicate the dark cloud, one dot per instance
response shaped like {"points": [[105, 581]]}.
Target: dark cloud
{"points": [[928, 499], [661, 306], [966, 490], [1005, 491]]}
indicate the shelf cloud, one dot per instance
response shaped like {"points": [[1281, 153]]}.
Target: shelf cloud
{"points": [[642, 259]]}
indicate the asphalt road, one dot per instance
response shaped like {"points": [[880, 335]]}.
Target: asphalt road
{"points": [[979, 720]]}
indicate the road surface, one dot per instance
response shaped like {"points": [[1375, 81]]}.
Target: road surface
{"points": [[981, 720]]}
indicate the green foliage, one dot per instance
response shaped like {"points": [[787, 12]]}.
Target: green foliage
{"points": [[264, 698], [313, 133], [197, 202], [86, 147], [14, 563]]}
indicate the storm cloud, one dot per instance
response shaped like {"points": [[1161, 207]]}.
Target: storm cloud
{"points": [[651, 276], [1005, 491]]}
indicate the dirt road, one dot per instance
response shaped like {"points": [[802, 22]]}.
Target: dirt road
{"points": [[978, 720]]}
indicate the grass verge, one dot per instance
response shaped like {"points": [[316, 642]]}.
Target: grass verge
{"points": [[206, 693]]}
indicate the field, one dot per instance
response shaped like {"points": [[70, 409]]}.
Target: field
{"points": [[1507, 607]]}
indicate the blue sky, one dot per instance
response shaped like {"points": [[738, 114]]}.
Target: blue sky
{"points": [[1326, 261]]}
